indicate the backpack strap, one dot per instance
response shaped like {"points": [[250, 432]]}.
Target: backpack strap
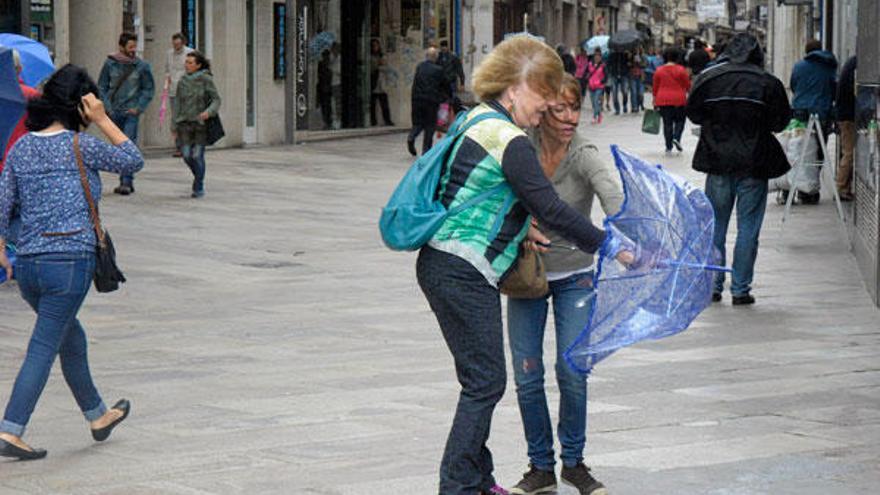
{"points": [[478, 198]]}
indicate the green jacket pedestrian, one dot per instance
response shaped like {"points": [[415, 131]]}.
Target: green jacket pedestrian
{"points": [[197, 101]]}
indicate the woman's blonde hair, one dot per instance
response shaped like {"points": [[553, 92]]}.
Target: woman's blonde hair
{"points": [[515, 60]]}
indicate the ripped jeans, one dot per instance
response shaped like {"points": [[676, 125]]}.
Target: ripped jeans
{"points": [[526, 319]]}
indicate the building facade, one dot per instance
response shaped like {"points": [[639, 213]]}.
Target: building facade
{"points": [[255, 45], [846, 28]]}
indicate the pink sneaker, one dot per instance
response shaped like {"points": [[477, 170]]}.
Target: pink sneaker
{"points": [[593, 121], [498, 490], [600, 118]]}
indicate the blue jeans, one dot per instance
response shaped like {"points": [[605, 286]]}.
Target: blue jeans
{"points": [[750, 197], [468, 310], [637, 94], [194, 156], [619, 84], [596, 100], [526, 319], [128, 123], [54, 285]]}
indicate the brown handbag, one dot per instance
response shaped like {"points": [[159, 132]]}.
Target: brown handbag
{"points": [[527, 279], [107, 274]]}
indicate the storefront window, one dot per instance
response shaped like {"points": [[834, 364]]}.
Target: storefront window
{"points": [[337, 54]]}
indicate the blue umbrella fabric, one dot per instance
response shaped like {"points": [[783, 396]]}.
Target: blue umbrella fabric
{"points": [[668, 225], [600, 42], [36, 62], [12, 102], [322, 41]]}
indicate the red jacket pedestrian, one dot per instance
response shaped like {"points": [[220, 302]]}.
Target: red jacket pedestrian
{"points": [[20, 129], [671, 85]]}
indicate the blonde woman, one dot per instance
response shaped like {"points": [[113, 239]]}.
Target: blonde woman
{"points": [[461, 267]]}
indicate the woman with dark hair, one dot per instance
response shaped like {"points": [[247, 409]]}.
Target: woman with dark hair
{"points": [[670, 88], [56, 247], [197, 101]]}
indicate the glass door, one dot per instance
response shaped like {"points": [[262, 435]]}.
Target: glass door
{"points": [[250, 121]]}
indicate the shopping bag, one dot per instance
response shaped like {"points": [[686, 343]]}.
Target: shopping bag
{"points": [[651, 122]]}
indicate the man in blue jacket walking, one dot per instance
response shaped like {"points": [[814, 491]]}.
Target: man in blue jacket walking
{"points": [[127, 87], [814, 84]]}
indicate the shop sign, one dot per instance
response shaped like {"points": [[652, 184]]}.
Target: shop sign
{"points": [[41, 11], [279, 40], [711, 9], [301, 66]]}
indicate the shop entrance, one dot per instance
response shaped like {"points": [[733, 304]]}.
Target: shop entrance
{"points": [[339, 63]]}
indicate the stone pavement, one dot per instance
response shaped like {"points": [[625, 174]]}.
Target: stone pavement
{"points": [[270, 344]]}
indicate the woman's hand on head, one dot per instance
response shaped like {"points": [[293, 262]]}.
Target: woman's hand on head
{"points": [[92, 108]]}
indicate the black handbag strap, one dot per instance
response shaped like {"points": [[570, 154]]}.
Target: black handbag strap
{"points": [[93, 209]]}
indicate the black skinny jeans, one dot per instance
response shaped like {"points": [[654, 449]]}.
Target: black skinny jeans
{"points": [[673, 124], [468, 309]]}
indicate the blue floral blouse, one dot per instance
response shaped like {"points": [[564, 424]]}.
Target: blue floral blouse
{"points": [[42, 179]]}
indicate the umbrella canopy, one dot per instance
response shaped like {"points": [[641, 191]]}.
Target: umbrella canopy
{"points": [[36, 63], [600, 42], [625, 40], [12, 102], [672, 224], [322, 41]]}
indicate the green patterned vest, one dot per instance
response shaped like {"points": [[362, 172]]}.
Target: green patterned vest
{"points": [[488, 234]]}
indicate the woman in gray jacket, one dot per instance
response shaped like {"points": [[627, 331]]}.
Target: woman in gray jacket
{"points": [[576, 171], [197, 101]]}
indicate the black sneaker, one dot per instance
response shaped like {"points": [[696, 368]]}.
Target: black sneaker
{"points": [[123, 190], [716, 297], [677, 145], [579, 477], [411, 147], [535, 481], [743, 300]]}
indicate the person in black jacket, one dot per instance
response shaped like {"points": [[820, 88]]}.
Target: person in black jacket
{"points": [[739, 106], [568, 63], [429, 88], [452, 67], [619, 69], [846, 116]]}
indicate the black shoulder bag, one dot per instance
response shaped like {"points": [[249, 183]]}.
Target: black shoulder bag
{"points": [[107, 274]]}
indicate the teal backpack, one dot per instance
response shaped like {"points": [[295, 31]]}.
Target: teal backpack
{"points": [[414, 213]]}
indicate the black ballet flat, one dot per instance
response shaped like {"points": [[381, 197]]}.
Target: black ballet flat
{"points": [[102, 434], [9, 450]]}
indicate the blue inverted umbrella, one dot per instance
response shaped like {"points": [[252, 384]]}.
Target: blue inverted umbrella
{"points": [[12, 102], [668, 225], [36, 63]]}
